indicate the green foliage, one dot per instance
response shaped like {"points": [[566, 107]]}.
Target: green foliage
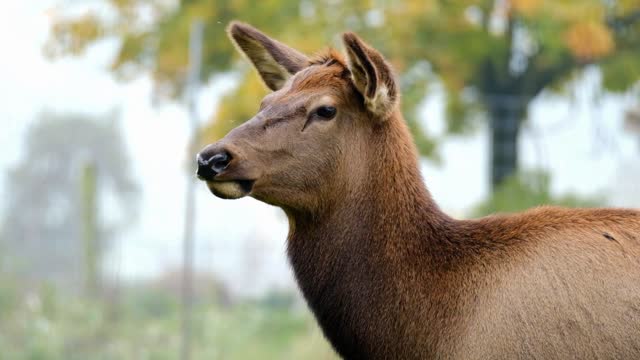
{"points": [[145, 324], [481, 51], [526, 190]]}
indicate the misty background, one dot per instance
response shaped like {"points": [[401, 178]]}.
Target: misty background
{"points": [[95, 163]]}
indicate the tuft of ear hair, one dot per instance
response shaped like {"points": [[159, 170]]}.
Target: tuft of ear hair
{"points": [[274, 61], [372, 76]]}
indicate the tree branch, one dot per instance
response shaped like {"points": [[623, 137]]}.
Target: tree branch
{"points": [[618, 23]]}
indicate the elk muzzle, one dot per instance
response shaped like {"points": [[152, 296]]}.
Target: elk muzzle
{"points": [[214, 166]]}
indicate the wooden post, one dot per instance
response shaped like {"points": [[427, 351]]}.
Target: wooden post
{"points": [[632, 121], [90, 228], [195, 55]]}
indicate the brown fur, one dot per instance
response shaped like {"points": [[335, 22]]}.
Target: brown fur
{"points": [[390, 276]]}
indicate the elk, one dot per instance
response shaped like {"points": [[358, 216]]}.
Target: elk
{"points": [[387, 274]]}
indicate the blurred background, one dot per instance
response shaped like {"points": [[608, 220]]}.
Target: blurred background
{"points": [[110, 250]]}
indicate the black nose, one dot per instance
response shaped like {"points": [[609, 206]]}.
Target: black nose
{"points": [[211, 165]]}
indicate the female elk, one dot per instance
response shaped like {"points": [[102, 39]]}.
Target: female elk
{"points": [[385, 271]]}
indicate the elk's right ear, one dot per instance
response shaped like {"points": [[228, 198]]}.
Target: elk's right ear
{"points": [[274, 61]]}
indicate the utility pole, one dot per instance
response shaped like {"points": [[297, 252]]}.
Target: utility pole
{"points": [[195, 59], [88, 181]]}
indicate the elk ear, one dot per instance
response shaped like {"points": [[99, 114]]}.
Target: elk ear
{"points": [[274, 61], [371, 75]]}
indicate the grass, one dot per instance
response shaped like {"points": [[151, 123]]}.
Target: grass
{"points": [[145, 323]]}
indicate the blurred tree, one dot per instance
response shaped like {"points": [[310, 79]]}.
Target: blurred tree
{"points": [[492, 57], [498, 55], [526, 190], [73, 168]]}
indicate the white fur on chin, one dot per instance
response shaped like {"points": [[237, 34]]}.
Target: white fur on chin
{"points": [[226, 189]]}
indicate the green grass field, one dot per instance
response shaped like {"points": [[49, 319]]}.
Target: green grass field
{"points": [[145, 324]]}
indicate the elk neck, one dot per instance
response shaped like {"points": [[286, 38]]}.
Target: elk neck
{"points": [[387, 206], [355, 255]]}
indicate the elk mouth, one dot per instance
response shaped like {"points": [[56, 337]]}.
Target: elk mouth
{"points": [[230, 189]]}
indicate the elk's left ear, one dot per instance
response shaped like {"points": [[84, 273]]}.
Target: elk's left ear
{"points": [[372, 76]]}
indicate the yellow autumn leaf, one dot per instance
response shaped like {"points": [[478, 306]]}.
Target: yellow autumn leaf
{"points": [[589, 40], [525, 7], [627, 6], [573, 12]]}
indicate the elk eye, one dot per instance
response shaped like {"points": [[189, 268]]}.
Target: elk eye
{"points": [[326, 112]]}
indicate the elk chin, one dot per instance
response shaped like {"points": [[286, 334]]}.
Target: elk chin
{"points": [[233, 189]]}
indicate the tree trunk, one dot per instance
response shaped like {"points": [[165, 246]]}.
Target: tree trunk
{"points": [[506, 116]]}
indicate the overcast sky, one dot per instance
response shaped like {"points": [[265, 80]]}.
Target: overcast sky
{"points": [[579, 141]]}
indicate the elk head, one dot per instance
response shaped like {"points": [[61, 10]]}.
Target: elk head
{"points": [[311, 140]]}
